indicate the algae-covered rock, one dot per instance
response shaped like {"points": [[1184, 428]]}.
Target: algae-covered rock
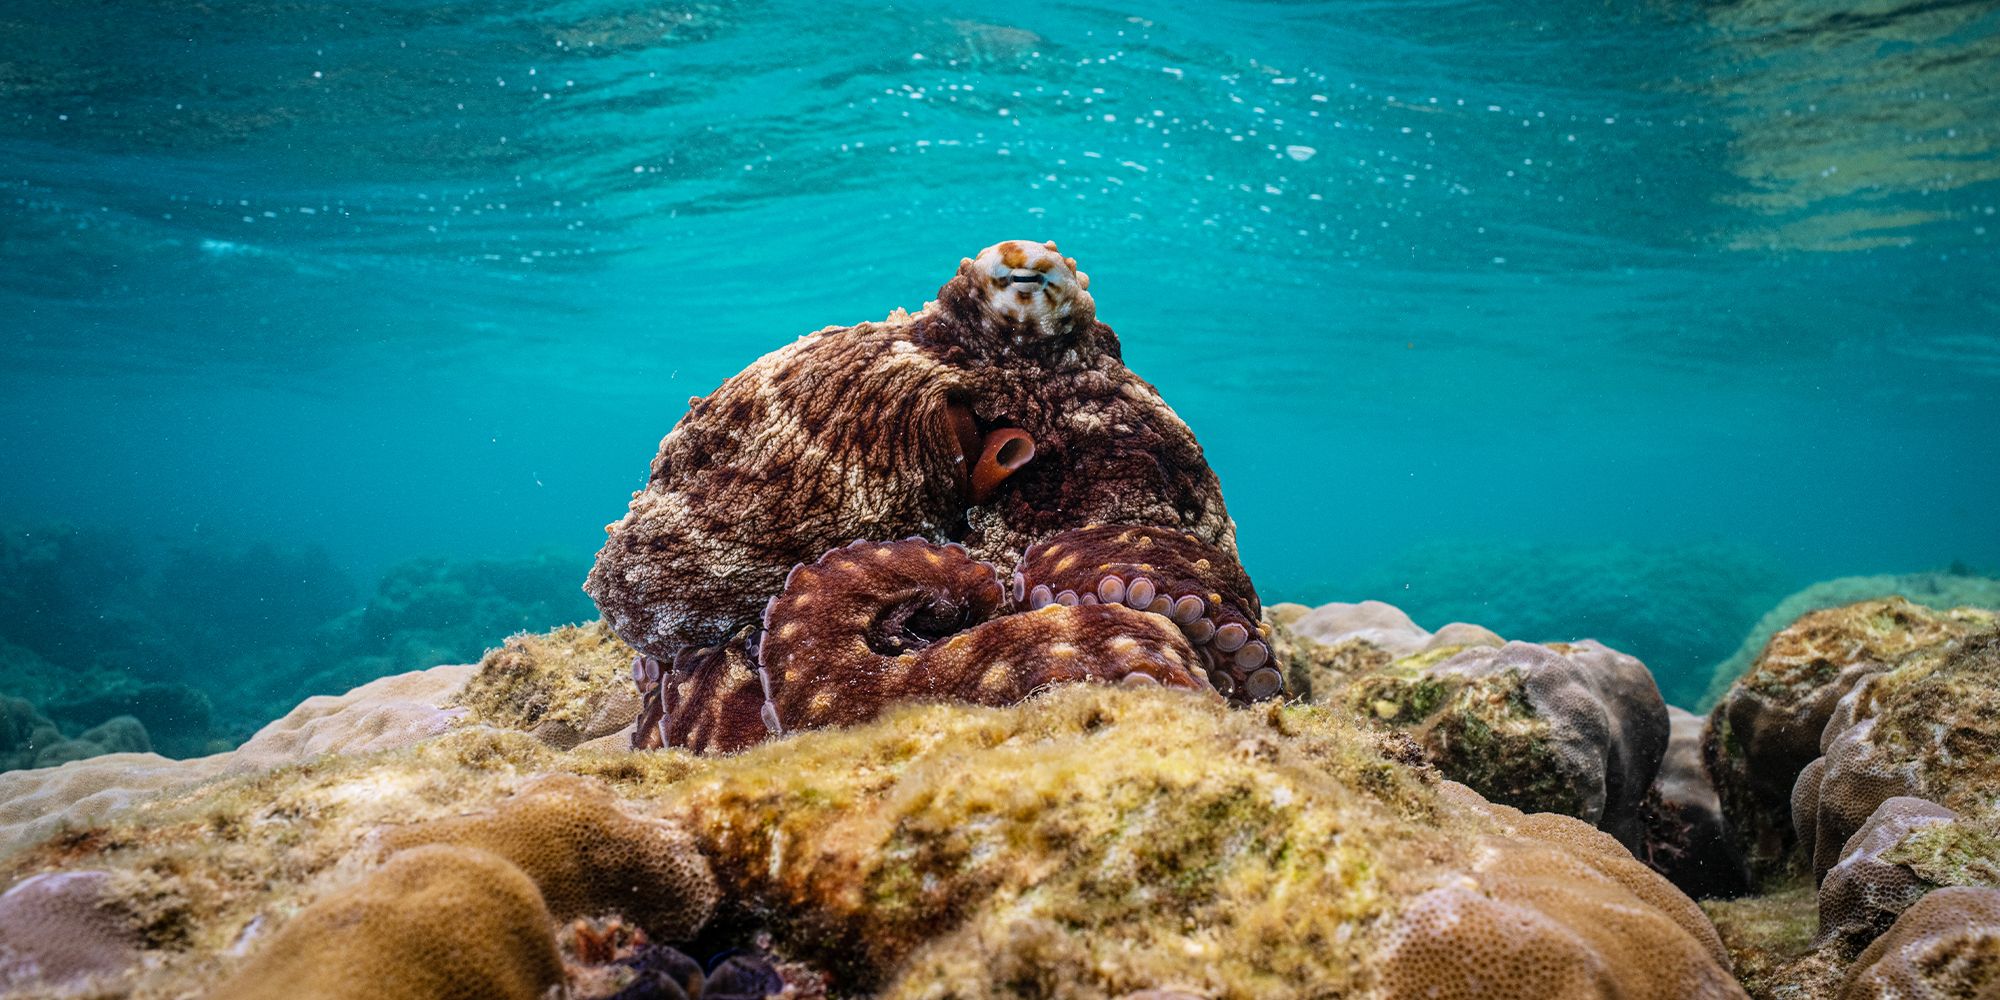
{"points": [[1937, 591], [958, 852], [564, 687], [1571, 728], [1323, 649], [1928, 728], [1769, 726], [1091, 842]]}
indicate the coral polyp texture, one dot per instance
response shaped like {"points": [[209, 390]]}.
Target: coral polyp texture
{"points": [[1770, 724], [588, 855], [999, 417], [1946, 947], [432, 923]]}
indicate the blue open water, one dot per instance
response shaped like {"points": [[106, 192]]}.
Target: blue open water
{"points": [[1665, 308]]}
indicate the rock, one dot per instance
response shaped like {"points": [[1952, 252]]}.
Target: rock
{"points": [[952, 851], [1928, 727], [1571, 728], [1770, 724], [1686, 838]]}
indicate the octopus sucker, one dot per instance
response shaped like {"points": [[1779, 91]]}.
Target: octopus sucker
{"points": [[1000, 419], [1178, 580], [944, 606]]}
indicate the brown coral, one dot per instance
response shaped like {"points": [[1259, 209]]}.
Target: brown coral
{"points": [[1557, 910], [1945, 947], [432, 923], [588, 855], [1865, 891]]}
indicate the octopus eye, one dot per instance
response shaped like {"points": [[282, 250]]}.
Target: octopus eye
{"points": [[1030, 279]]}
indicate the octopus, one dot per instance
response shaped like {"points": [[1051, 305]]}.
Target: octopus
{"points": [[970, 503]]}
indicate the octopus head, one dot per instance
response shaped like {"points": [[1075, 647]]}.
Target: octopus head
{"points": [[1025, 292]]}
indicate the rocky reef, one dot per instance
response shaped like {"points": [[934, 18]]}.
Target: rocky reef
{"points": [[1433, 814], [1856, 764], [941, 850]]}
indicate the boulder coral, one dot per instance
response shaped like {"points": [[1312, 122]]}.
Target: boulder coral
{"points": [[1946, 947], [588, 854], [1867, 889], [433, 923], [64, 930], [1770, 724]]}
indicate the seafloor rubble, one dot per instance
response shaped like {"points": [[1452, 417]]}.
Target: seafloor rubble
{"points": [[484, 831]]}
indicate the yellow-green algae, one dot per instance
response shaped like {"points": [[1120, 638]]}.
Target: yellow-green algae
{"points": [[1482, 731], [565, 686], [1769, 938], [1963, 851]]}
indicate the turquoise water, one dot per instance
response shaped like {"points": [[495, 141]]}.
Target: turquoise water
{"points": [[1631, 317]]}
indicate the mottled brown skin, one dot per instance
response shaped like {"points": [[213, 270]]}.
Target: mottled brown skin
{"points": [[874, 432], [846, 434], [874, 624]]}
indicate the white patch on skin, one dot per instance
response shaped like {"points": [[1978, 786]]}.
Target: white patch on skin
{"points": [[997, 676]]}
